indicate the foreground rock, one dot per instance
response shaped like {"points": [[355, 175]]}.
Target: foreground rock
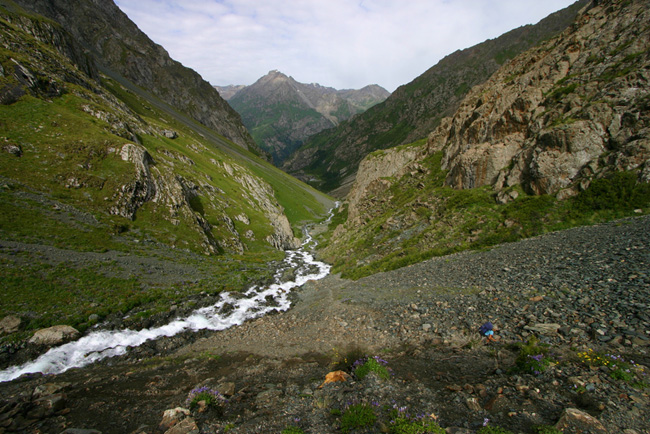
{"points": [[54, 335]]}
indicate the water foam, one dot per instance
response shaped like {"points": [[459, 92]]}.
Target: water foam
{"points": [[255, 302]]}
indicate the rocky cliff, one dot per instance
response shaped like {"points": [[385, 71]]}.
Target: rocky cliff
{"points": [[560, 115], [282, 113], [119, 48], [557, 135], [416, 108]]}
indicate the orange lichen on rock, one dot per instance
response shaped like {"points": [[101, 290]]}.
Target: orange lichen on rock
{"points": [[335, 376]]}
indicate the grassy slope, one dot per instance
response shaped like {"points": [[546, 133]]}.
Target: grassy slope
{"points": [[416, 220], [41, 205]]}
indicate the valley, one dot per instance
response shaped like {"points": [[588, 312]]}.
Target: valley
{"points": [[508, 186]]}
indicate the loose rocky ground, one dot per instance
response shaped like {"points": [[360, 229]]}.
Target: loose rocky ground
{"points": [[581, 289]]}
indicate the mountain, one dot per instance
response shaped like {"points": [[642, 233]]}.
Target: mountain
{"points": [[229, 91], [416, 108], [282, 113], [121, 50], [99, 158], [559, 136]]}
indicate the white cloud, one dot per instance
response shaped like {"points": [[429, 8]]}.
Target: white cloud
{"points": [[338, 43]]}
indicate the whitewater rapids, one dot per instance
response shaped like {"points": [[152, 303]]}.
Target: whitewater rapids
{"points": [[256, 302]]}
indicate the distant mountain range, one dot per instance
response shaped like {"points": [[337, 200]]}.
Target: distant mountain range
{"points": [[281, 113]]}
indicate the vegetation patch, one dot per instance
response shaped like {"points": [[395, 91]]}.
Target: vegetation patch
{"points": [[364, 366], [357, 416]]}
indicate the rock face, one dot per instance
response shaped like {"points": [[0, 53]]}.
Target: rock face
{"points": [[559, 115], [117, 45], [374, 174], [416, 108], [282, 113]]}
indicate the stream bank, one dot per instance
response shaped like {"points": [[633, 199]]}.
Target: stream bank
{"points": [[585, 288]]}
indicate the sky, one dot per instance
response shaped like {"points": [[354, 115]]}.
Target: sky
{"points": [[345, 44]]}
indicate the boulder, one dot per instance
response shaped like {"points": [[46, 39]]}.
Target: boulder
{"points": [[172, 417], [9, 324], [170, 134], [54, 335], [545, 329], [186, 426], [15, 150], [574, 421]]}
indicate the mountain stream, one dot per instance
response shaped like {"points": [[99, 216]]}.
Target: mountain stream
{"points": [[230, 310]]}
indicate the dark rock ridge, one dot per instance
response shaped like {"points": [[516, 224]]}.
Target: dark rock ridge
{"points": [[416, 108], [119, 48], [282, 113]]}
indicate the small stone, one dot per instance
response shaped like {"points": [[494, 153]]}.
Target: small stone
{"points": [[226, 388], [15, 150], [186, 426], [48, 389], [170, 134], [473, 404], [47, 406], [172, 417], [426, 327], [545, 329]]}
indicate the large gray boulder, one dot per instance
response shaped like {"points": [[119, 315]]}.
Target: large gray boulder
{"points": [[54, 335]]}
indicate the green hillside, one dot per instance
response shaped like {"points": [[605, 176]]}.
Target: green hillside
{"points": [[94, 170]]}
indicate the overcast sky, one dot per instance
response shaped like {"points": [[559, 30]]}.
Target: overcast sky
{"points": [[345, 44]]}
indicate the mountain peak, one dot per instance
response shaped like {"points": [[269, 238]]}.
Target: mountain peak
{"points": [[296, 110]]}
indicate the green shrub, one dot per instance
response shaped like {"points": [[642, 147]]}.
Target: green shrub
{"points": [[619, 192], [364, 366], [533, 358], [357, 416], [402, 423]]}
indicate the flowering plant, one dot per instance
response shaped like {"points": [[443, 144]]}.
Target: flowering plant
{"points": [[366, 365], [533, 357], [211, 397], [401, 422], [620, 368]]}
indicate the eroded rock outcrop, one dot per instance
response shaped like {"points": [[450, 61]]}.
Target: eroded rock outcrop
{"points": [[561, 114], [261, 194], [374, 175]]}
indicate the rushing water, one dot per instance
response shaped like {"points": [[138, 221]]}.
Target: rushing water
{"points": [[230, 310]]}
